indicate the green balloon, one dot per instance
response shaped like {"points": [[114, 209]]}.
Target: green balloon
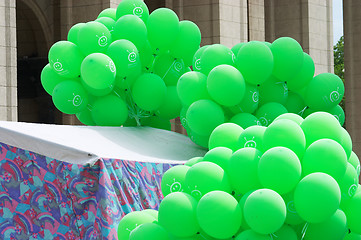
{"points": [[273, 90], [317, 197], [126, 59], [219, 214], [255, 62], [198, 139], [131, 28], [285, 233], [49, 79], [237, 47], [177, 214], [226, 85], [304, 76], [205, 177], [65, 58], [285, 133], [110, 110], [158, 122], [187, 42], [294, 103], [353, 213], [252, 137], [171, 106], [352, 236], [183, 117], [73, 33], [169, 68], [245, 120], [225, 135], [327, 156], [94, 37], [265, 211], [151, 212], [250, 101], [252, 235], [150, 231], [338, 113], [346, 142], [85, 117], [242, 170], [197, 58], [203, 116], [219, 156], [193, 161], [108, 12], [174, 179], [163, 28], [334, 228], [70, 97], [291, 116], [269, 111], [149, 91], [192, 86], [214, 55], [320, 125], [349, 183], [279, 169], [146, 56], [131, 221], [288, 58], [241, 202], [108, 22], [353, 159], [133, 7], [324, 92], [292, 218]]}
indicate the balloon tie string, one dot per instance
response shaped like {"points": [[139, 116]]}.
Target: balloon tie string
{"points": [[272, 235], [170, 67], [302, 111], [89, 107], [304, 230], [152, 66]]}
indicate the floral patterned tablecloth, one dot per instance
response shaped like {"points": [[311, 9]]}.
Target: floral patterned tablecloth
{"points": [[43, 198]]}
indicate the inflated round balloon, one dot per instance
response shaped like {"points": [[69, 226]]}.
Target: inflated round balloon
{"points": [[187, 42], [288, 58], [151, 212], [241, 200], [320, 125], [245, 120], [70, 97], [108, 12], [334, 228], [255, 61], [85, 117], [285, 233], [265, 211], [250, 234], [285, 133], [108, 22], [219, 156], [73, 33], [192, 86], [126, 59], [131, 28], [49, 79], [94, 37], [353, 159], [279, 169], [352, 236], [146, 56], [171, 106], [226, 85], [294, 103], [317, 197], [237, 47], [292, 218], [291, 116], [98, 74], [250, 101], [353, 213], [177, 214], [242, 170], [349, 183], [149, 231], [224, 220], [327, 156], [304, 76], [203, 116], [109, 110], [324, 91], [131, 221], [133, 7], [193, 161], [225, 135], [197, 58], [149, 91], [214, 55], [252, 137], [158, 122], [346, 142], [169, 68], [65, 58], [205, 177], [269, 111], [273, 90], [163, 28], [198, 139], [173, 179], [338, 113]]}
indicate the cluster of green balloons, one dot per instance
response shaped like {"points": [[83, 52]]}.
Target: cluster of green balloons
{"points": [[295, 179], [252, 84], [123, 67]]}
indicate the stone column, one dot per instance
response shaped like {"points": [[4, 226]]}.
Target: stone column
{"points": [[256, 20], [8, 75]]}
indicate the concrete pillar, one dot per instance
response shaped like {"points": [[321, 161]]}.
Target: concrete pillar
{"points": [[256, 20], [8, 80]]}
